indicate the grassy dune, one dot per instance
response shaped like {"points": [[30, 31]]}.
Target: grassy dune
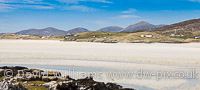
{"points": [[129, 37], [109, 37]]}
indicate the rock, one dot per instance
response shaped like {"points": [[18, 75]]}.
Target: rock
{"points": [[1, 72], [88, 84], [64, 83], [14, 69], [113, 86]]}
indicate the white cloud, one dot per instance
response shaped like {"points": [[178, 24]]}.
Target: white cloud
{"points": [[36, 7], [9, 5], [131, 10], [5, 7], [127, 16], [69, 1], [103, 1], [3, 0], [77, 1], [21, 1], [80, 8], [32, 1], [194, 0]]}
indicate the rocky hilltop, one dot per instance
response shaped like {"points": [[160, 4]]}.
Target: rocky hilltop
{"points": [[182, 28]]}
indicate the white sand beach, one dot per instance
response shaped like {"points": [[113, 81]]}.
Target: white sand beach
{"points": [[187, 54], [116, 56]]}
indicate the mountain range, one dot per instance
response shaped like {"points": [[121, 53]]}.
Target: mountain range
{"points": [[53, 31], [111, 29], [50, 31], [134, 27], [43, 32], [186, 27]]}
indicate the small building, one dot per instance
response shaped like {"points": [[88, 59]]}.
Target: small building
{"points": [[67, 37], [149, 35], [142, 36], [173, 35], [43, 37], [75, 35], [183, 35], [197, 37]]}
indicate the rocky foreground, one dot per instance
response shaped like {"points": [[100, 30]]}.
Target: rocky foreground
{"points": [[22, 78]]}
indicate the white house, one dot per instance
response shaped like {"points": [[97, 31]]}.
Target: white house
{"points": [[197, 37], [43, 37], [75, 35], [173, 35], [183, 35], [142, 36], [67, 37], [149, 35]]}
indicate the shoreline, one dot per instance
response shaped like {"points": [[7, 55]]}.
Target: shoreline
{"points": [[148, 83], [96, 41], [51, 79]]}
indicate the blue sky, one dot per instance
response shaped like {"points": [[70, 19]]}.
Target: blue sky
{"points": [[16, 15]]}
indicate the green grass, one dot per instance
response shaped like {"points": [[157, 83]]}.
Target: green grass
{"points": [[30, 87], [1, 78], [129, 37], [181, 37], [35, 87], [89, 35]]}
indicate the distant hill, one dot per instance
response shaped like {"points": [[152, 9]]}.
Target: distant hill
{"points": [[77, 30], [111, 29], [186, 27], [140, 26], [50, 31]]}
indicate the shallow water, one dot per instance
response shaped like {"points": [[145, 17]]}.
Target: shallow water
{"points": [[45, 67], [63, 68], [136, 87]]}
